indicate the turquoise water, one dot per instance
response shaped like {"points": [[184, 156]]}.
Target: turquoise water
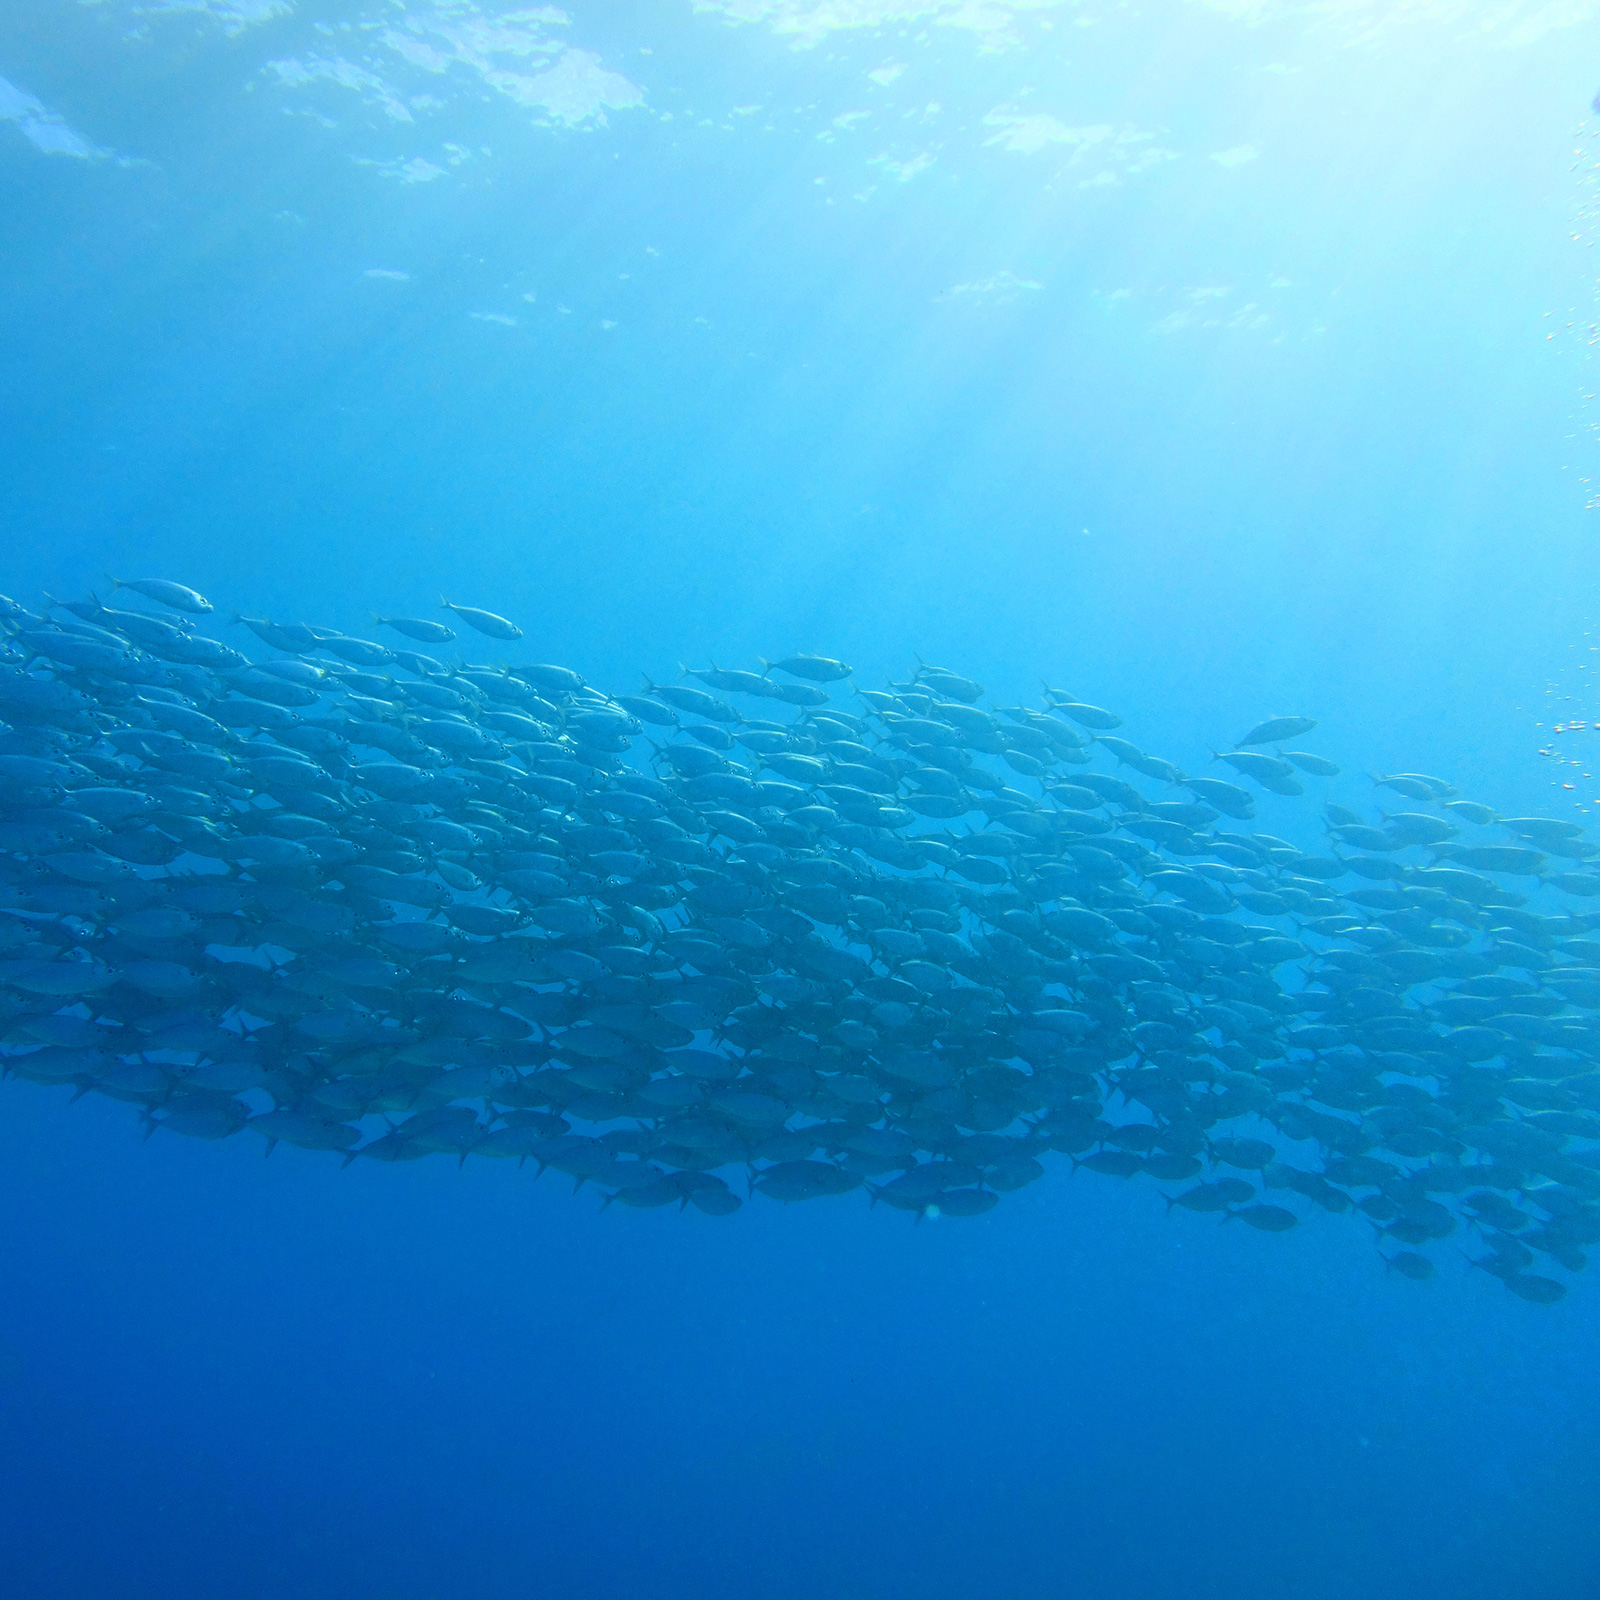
{"points": [[1211, 361]]}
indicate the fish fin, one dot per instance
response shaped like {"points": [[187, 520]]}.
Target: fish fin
{"points": [[272, 1144]]}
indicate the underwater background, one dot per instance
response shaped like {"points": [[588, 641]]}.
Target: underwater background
{"points": [[1213, 360]]}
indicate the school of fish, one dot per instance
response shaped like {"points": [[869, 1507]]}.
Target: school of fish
{"points": [[355, 898]]}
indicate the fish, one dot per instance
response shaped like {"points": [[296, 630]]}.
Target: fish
{"points": [[1127, 753], [1266, 1218], [1228, 798], [177, 596], [419, 628], [1251, 764], [949, 684], [819, 669], [485, 622], [1317, 766], [916, 949], [694, 701], [1276, 729], [1543, 831], [1415, 785], [294, 638], [1410, 1265], [1086, 715], [647, 710], [735, 682]]}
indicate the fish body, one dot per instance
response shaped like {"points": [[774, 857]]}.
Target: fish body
{"points": [[818, 669], [1277, 729], [484, 622], [176, 596], [418, 628]]}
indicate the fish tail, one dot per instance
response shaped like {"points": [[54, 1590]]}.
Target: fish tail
{"points": [[766, 666]]}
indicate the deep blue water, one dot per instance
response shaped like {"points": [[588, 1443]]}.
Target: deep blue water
{"points": [[713, 346]]}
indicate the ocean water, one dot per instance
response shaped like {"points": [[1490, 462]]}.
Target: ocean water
{"points": [[1212, 360]]}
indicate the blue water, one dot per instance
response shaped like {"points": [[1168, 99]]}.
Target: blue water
{"points": [[1211, 360]]}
